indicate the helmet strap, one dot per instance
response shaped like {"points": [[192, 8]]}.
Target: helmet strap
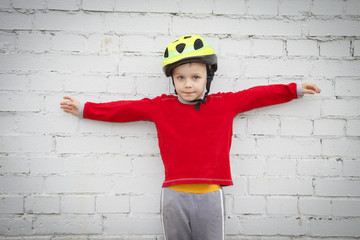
{"points": [[210, 76]]}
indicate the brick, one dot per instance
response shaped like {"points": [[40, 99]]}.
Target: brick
{"points": [[243, 145], [280, 186], [149, 64], [147, 166], [32, 4], [296, 127], [282, 206], [5, 4], [121, 84], [346, 208], [78, 204], [327, 7], [16, 226], [278, 67], [152, 86], [254, 166], [77, 184], [150, 185], [20, 102], [89, 83], [46, 82], [302, 48], [335, 228], [240, 125], [249, 205], [294, 7], [61, 41], [21, 184], [337, 188], [238, 7], [112, 204], [138, 43], [268, 47], [332, 28], [15, 21], [329, 127], [218, 25], [273, 226], [347, 87], [314, 206], [87, 165], [11, 205], [235, 47], [94, 5], [353, 127], [14, 165], [46, 124], [63, 5], [341, 107], [352, 7], [140, 23], [335, 48], [288, 146], [68, 224], [319, 167], [8, 124], [196, 7], [281, 167], [263, 125], [35, 41], [132, 6], [145, 204], [26, 144], [262, 7], [43, 205], [341, 147], [82, 64], [7, 41], [58, 20], [269, 27], [351, 168], [93, 145], [333, 68], [140, 145], [117, 225], [239, 188]]}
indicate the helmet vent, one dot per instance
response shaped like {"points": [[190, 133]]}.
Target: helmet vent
{"points": [[186, 37], [180, 47], [166, 53], [198, 44]]}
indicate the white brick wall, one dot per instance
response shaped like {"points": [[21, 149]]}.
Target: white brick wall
{"points": [[296, 167]]}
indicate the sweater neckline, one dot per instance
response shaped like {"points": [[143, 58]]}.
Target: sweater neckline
{"points": [[190, 103]]}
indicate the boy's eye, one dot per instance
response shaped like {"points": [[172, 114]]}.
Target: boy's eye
{"points": [[196, 77], [180, 77]]}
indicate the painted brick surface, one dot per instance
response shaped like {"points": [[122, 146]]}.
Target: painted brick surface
{"points": [[296, 166]]}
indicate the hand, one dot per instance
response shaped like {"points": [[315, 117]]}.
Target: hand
{"points": [[71, 106], [310, 88]]}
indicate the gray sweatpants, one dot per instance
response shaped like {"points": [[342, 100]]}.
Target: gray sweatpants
{"points": [[191, 216]]}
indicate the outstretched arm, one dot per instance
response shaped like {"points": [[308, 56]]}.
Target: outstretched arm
{"points": [[71, 106]]}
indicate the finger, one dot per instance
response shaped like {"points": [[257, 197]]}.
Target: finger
{"points": [[69, 98]]}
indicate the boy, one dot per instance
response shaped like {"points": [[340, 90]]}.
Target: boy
{"points": [[194, 134]]}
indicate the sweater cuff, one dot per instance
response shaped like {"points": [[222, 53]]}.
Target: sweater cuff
{"points": [[81, 110], [299, 90]]}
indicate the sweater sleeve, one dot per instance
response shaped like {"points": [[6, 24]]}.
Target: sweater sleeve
{"points": [[261, 96], [120, 111]]}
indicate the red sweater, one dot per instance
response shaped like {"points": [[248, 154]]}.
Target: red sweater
{"points": [[194, 145]]}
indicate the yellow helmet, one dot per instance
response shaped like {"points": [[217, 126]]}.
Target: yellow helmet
{"points": [[187, 48]]}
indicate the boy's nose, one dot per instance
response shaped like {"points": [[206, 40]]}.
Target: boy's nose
{"points": [[187, 83]]}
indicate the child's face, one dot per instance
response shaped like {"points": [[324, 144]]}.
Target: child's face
{"points": [[190, 80]]}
